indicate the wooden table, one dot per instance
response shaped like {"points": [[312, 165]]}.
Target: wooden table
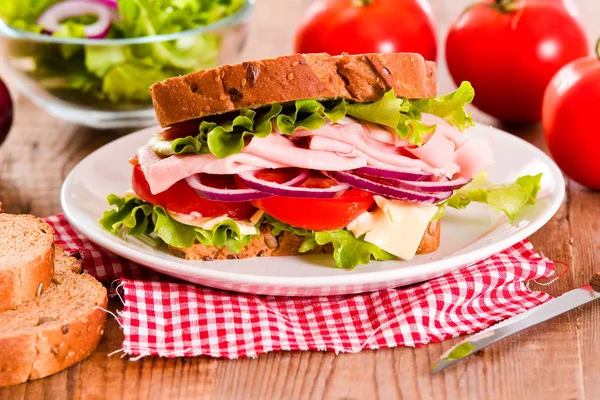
{"points": [[557, 360]]}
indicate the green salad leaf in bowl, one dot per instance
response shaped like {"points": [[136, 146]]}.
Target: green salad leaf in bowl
{"points": [[92, 61]]}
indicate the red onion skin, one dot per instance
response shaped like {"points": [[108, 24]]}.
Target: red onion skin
{"points": [[408, 175], [389, 191], [227, 195], [224, 195], [6, 111], [434, 187], [251, 181]]}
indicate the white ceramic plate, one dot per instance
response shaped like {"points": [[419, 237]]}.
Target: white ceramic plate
{"points": [[467, 236]]}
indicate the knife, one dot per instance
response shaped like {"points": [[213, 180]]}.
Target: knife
{"points": [[555, 307]]}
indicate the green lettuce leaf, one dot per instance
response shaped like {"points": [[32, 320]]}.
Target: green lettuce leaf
{"points": [[23, 14], [70, 29], [348, 252], [100, 59], [224, 140], [451, 107], [309, 114], [173, 232], [129, 81], [396, 113], [229, 137], [509, 198], [149, 223], [385, 111]]}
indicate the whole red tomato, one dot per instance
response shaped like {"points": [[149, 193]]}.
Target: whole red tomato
{"points": [[570, 109], [510, 50], [368, 26]]}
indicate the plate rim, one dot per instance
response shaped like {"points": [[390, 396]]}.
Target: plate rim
{"points": [[182, 267]]}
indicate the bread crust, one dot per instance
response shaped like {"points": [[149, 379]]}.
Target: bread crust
{"points": [[54, 344], [21, 282], [285, 244], [364, 77]]}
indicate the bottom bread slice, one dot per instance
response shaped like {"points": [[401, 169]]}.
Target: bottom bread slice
{"points": [[285, 244], [56, 330]]}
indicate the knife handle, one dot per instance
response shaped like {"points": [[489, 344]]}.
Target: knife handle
{"points": [[595, 282]]}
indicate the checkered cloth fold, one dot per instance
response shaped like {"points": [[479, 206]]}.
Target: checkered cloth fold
{"points": [[165, 317]]}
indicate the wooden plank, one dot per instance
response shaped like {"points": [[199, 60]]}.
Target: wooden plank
{"points": [[584, 218]]}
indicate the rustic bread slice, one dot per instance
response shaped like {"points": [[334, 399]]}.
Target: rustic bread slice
{"points": [[285, 244], [57, 329], [26, 259], [363, 78]]}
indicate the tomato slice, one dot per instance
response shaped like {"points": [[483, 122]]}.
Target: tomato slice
{"points": [[315, 214], [181, 198]]}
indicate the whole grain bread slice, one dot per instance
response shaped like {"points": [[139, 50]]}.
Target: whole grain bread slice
{"points": [[285, 244], [251, 84], [57, 329], [26, 259]]}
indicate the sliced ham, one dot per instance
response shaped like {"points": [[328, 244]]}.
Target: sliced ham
{"points": [[383, 135], [278, 148], [437, 151], [474, 156], [146, 158], [163, 174], [356, 135], [325, 144], [445, 128]]}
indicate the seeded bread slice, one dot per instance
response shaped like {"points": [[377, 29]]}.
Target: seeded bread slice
{"points": [[285, 244], [252, 84], [26, 259], [57, 329]]}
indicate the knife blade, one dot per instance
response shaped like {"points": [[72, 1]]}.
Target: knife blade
{"points": [[555, 307]]}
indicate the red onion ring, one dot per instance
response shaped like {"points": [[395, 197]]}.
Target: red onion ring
{"points": [[212, 193], [405, 174], [389, 191], [51, 18], [439, 186], [287, 190]]}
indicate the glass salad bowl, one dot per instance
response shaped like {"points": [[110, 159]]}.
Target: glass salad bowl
{"points": [[103, 83]]}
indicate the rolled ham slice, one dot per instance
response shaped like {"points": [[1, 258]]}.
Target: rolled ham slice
{"points": [[445, 128], [438, 151], [325, 144], [356, 135], [278, 148], [474, 156]]}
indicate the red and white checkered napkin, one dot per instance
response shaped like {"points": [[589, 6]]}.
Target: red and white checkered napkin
{"points": [[165, 317]]}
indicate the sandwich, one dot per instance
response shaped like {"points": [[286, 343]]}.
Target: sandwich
{"points": [[352, 155]]}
